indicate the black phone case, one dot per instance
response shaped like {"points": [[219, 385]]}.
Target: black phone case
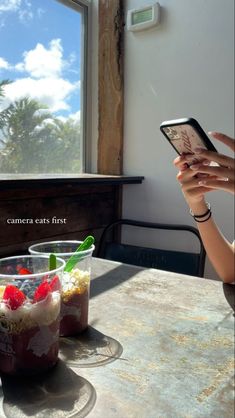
{"points": [[192, 122]]}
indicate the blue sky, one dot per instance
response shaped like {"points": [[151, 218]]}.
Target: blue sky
{"points": [[40, 47]]}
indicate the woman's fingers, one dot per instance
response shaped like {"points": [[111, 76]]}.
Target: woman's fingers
{"points": [[192, 189], [197, 191], [189, 174], [221, 159], [197, 176], [191, 183], [222, 172], [227, 140], [215, 184], [185, 175], [180, 162]]}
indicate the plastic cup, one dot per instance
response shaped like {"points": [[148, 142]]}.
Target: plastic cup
{"points": [[29, 314], [75, 285]]}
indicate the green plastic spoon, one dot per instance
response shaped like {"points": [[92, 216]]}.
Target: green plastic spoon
{"points": [[52, 262], [85, 245]]}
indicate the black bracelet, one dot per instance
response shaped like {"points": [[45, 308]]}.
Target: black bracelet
{"points": [[204, 220], [204, 214]]}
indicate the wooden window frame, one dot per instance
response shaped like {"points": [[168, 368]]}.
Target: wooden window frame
{"points": [[110, 87]]}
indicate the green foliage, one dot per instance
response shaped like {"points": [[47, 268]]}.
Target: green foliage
{"points": [[32, 140], [3, 83]]}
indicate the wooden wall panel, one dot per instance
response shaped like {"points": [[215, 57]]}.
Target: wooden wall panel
{"points": [[22, 247], [110, 95], [62, 214], [87, 210]]}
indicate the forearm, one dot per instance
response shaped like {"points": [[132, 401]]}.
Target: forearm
{"points": [[218, 249]]}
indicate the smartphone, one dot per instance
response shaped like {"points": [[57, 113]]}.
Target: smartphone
{"points": [[185, 135]]}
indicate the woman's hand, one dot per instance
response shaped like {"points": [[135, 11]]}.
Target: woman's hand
{"points": [[192, 190], [220, 177]]}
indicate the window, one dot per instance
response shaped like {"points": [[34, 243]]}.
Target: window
{"points": [[42, 87]]}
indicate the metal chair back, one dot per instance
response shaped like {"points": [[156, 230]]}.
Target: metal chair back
{"points": [[170, 260]]}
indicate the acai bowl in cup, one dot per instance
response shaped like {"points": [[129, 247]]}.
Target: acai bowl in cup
{"points": [[75, 284], [29, 314]]}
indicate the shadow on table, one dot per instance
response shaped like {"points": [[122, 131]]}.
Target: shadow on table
{"points": [[113, 278], [57, 393], [89, 349], [229, 293]]}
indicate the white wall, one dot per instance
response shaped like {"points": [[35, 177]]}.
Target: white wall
{"points": [[182, 68]]}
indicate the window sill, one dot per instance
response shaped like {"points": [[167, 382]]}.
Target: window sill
{"points": [[80, 178], [85, 178]]}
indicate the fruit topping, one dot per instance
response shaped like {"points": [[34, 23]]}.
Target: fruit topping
{"points": [[13, 297], [2, 290], [55, 284], [45, 288], [41, 292], [23, 270]]}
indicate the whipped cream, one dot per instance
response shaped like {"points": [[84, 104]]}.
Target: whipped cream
{"points": [[30, 314], [42, 341]]}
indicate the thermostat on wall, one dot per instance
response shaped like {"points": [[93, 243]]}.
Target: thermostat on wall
{"points": [[143, 18]]}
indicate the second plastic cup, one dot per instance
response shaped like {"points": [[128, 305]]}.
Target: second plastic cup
{"points": [[75, 285]]}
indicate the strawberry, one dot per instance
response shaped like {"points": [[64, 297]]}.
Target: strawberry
{"points": [[18, 267], [13, 297], [41, 292], [45, 288], [55, 284], [23, 270]]}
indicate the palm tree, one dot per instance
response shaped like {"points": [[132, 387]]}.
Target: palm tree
{"points": [[32, 140], [67, 149], [3, 83], [22, 134]]}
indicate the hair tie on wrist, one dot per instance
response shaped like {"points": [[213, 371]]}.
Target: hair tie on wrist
{"points": [[203, 220], [204, 214], [204, 217]]}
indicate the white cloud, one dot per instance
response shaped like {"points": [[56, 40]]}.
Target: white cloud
{"points": [[9, 5], [76, 116], [42, 78], [25, 15], [41, 62], [50, 91], [23, 8], [3, 63], [19, 67]]}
